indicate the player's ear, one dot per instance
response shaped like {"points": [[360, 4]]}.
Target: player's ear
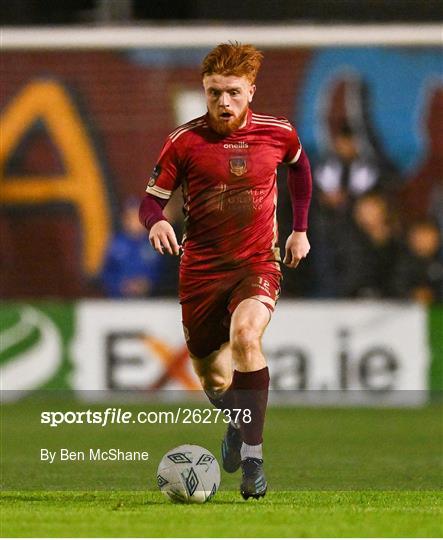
{"points": [[251, 92]]}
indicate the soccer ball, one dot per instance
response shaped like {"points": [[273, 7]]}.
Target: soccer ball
{"points": [[189, 474]]}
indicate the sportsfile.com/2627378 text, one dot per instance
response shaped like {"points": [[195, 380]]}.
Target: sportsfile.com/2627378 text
{"points": [[114, 415]]}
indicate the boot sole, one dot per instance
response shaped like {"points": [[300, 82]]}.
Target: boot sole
{"points": [[255, 496]]}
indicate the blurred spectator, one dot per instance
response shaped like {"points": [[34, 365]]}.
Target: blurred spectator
{"points": [[370, 250], [419, 270], [132, 268], [344, 175]]}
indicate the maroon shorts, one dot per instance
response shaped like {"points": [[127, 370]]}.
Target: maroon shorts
{"points": [[208, 301]]}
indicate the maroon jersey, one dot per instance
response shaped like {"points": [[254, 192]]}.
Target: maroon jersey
{"points": [[229, 187]]}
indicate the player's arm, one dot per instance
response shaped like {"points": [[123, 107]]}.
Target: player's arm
{"points": [[300, 190], [163, 181], [161, 234]]}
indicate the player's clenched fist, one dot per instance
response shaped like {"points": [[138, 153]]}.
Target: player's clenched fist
{"points": [[297, 247], [162, 237]]}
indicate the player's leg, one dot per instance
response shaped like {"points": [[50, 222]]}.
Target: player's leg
{"points": [[251, 375], [251, 382], [215, 374], [206, 325], [206, 329]]}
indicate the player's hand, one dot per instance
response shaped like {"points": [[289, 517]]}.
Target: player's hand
{"points": [[162, 237], [297, 247]]}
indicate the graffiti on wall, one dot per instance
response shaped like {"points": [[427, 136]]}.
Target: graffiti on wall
{"points": [[80, 182], [387, 95]]}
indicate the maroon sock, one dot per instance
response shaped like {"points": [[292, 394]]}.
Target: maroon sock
{"points": [[251, 392], [224, 401]]}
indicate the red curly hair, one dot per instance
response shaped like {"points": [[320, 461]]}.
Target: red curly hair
{"points": [[233, 58]]}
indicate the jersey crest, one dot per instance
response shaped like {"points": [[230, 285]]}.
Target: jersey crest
{"points": [[238, 166]]}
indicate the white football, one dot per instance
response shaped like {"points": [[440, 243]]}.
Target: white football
{"points": [[188, 474]]}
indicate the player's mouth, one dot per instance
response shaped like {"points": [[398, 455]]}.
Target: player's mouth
{"points": [[225, 115]]}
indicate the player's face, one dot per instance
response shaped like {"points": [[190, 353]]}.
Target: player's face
{"points": [[227, 99]]}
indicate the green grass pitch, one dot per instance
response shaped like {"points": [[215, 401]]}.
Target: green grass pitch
{"points": [[332, 472]]}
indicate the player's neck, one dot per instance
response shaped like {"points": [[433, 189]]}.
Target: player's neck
{"points": [[245, 121]]}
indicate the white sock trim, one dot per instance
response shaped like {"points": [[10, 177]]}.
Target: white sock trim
{"points": [[251, 451]]}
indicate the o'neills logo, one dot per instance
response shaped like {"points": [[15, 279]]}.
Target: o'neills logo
{"points": [[236, 145]]}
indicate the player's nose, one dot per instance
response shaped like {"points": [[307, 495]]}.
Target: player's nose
{"points": [[224, 99]]}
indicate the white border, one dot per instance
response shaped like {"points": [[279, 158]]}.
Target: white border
{"points": [[284, 36]]}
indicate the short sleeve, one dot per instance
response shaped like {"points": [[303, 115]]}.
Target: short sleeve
{"points": [[165, 177], [293, 147]]}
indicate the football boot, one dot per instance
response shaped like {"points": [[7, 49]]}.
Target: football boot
{"points": [[230, 449], [253, 482]]}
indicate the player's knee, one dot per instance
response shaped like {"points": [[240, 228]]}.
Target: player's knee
{"points": [[245, 340]]}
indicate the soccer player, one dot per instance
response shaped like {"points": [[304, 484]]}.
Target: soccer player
{"points": [[225, 163]]}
